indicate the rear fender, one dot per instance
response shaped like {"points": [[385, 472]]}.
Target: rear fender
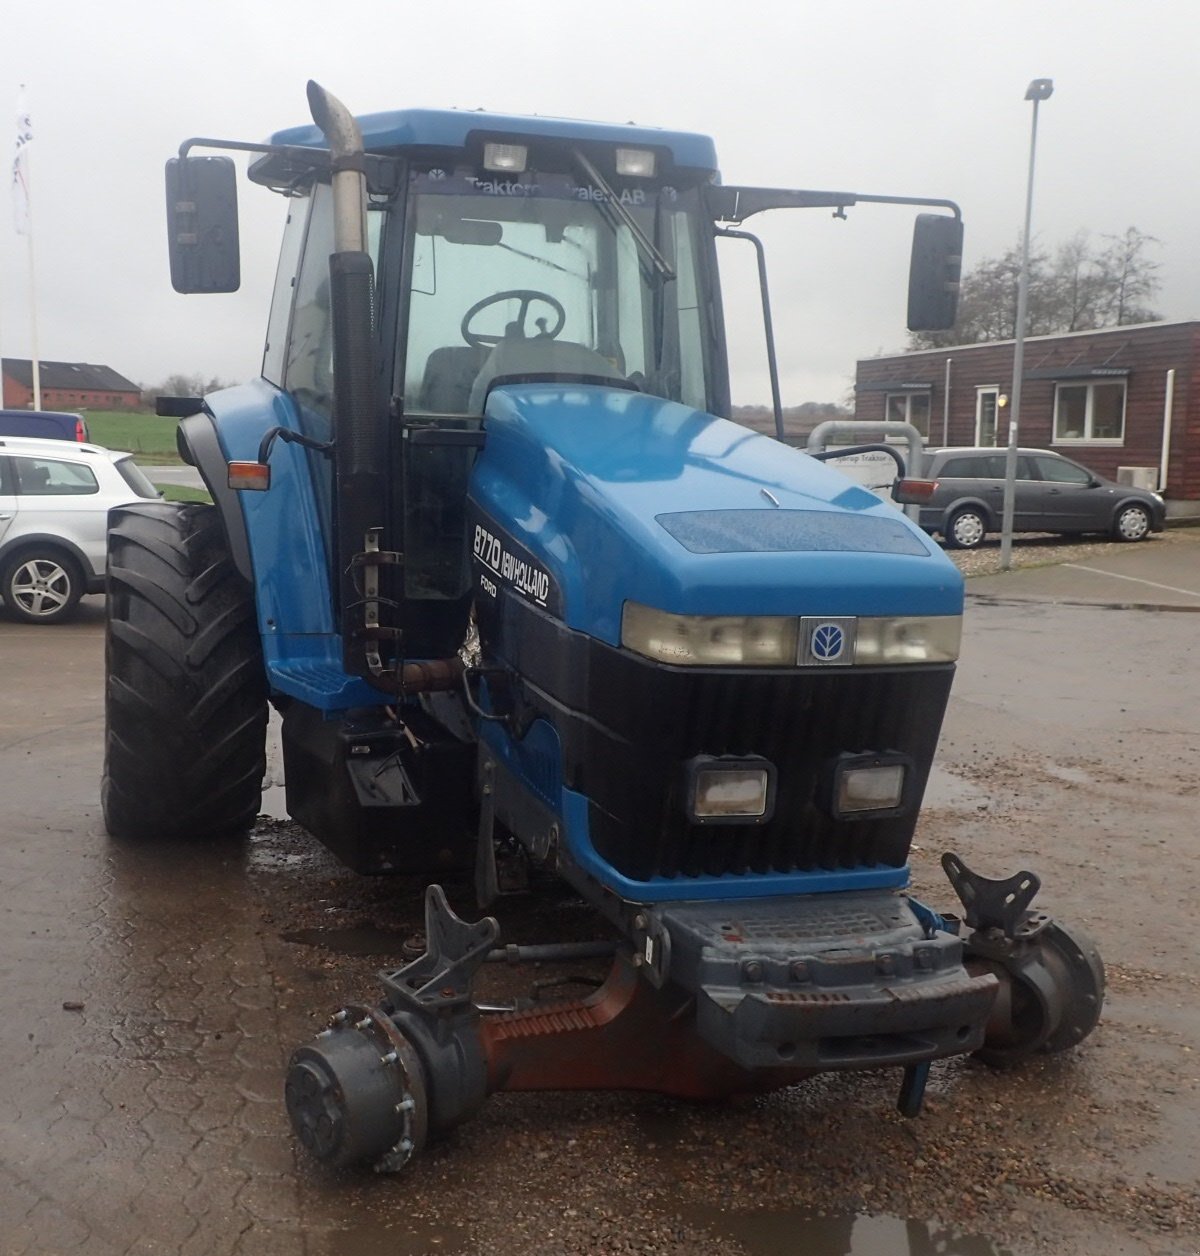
{"points": [[199, 446]]}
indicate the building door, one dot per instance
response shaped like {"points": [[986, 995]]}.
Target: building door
{"points": [[986, 410]]}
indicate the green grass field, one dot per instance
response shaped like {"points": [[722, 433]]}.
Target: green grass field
{"points": [[148, 436], [181, 493]]}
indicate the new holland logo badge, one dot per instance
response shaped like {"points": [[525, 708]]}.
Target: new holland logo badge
{"points": [[827, 642]]}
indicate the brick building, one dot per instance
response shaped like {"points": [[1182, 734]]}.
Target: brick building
{"points": [[1124, 401], [68, 386]]}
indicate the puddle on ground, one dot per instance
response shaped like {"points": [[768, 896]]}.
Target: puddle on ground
{"points": [[952, 792], [767, 1232], [352, 939], [400, 1238]]}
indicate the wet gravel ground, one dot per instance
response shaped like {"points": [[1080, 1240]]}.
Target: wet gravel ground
{"points": [[1037, 550], [151, 995]]}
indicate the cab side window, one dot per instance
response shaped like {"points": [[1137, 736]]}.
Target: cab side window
{"points": [[308, 371]]}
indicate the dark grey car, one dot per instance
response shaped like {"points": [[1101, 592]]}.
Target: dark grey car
{"points": [[1053, 494]]}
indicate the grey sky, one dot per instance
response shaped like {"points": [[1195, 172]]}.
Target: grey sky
{"points": [[924, 99]]}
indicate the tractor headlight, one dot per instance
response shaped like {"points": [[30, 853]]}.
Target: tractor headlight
{"points": [[724, 790], [908, 639], [710, 640], [866, 786], [774, 640]]}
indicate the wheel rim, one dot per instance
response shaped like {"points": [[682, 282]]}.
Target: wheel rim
{"points": [[1133, 524], [41, 587], [968, 530]]}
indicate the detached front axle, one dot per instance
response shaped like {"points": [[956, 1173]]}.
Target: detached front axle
{"points": [[759, 995]]}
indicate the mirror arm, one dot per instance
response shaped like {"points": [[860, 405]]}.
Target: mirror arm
{"points": [[736, 204], [934, 202], [245, 146]]}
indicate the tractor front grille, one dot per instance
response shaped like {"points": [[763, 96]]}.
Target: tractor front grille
{"points": [[629, 726], [801, 722]]}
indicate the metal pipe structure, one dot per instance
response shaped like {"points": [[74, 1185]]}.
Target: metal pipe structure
{"points": [[1168, 406], [1037, 91], [888, 427], [946, 406]]}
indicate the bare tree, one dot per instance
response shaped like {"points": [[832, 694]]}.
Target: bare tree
{"points": [[1077, 286], [183, 385], [1127, 278]]}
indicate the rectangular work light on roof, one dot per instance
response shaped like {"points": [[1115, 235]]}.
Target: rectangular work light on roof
{"points": [[635, 163], [505, 158]]}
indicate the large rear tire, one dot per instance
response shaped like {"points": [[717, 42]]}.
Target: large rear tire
{"points": [[185, 697]]}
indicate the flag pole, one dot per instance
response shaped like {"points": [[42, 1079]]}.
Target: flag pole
{"points": [[23, 189], [35, 362]]}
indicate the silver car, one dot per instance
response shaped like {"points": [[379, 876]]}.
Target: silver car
{"points": [[54, 501], [1053, 494]]}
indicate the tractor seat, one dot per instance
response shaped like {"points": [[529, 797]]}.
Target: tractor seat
{"points": [[449, 374], [538, 355]]}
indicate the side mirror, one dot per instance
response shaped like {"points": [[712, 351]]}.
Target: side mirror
{"points": [[935, 271], [202, 224]]}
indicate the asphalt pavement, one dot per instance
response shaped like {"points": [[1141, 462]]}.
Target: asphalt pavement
{"points": [[150, 995], [1163, 571]]}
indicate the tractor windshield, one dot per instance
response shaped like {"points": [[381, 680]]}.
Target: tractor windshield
{"points": [[543, 276]]}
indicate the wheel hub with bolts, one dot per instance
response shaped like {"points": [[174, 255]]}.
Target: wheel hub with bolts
{"points": [[359, 1087]]}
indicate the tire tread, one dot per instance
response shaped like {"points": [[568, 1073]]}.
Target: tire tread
{"points": [[185, 697]]}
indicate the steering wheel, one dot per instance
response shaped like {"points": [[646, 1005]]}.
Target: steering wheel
{"points": [[527, 296]]}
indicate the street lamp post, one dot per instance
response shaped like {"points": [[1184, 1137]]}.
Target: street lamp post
{"points": [[1037, 91]]}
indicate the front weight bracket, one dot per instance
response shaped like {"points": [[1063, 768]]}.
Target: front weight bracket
{"points": [[998, 908]]}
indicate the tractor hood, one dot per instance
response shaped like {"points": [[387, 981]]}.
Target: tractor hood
{"points": [[586, 497]]}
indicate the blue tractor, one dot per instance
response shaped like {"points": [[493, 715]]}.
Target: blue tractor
{"points": [[520, 593]]}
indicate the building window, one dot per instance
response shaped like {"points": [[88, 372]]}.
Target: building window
{"points": [[1089, 412], [909, 407]]}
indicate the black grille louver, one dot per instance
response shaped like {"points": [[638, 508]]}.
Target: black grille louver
{"points": [[628, 727], [800, 721]]}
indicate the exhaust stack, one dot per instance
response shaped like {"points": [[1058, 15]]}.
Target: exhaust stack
{"points": [[360, 482]]}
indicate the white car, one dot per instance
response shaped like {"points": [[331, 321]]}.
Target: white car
{"points": [[54, 501]]}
